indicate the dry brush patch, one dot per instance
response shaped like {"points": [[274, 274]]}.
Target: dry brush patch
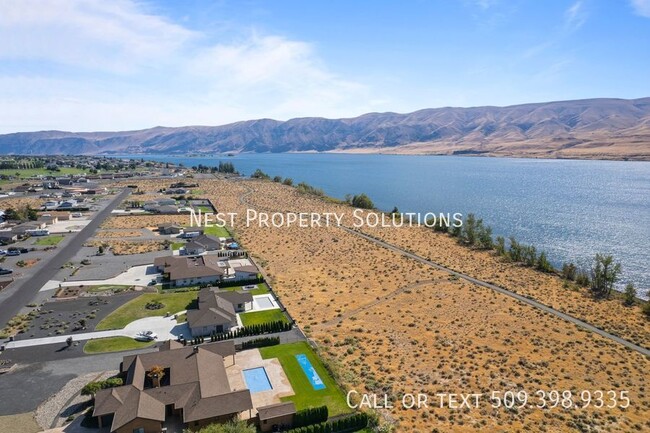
{"points": [[375, 314], [120, 248], [143, 221], [118, 234], [610, 315]]}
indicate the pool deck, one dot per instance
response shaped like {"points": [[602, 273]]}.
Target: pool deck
{"points": [[248, 359]]}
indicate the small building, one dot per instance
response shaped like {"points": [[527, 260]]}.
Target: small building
{"points": [[276, 417], [202, 243], [7, 237], [169, 229], [217, 311]]}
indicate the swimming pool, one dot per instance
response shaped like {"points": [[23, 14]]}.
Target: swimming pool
{"points": [[310, 372], [257, 379]]}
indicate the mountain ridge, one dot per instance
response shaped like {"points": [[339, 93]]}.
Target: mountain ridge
{"points": [[598, 128]]}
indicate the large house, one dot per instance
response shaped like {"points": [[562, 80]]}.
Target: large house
{"points": [[201, 244], [178, 384], [217, 311], [206, 269]]}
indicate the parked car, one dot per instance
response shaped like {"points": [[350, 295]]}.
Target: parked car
{"points": [[23, 250], [3, 252], [146, 336], [4, 271], [13, 252]]}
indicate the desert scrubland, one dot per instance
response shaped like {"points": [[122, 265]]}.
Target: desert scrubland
{"points": [[389, 324]]}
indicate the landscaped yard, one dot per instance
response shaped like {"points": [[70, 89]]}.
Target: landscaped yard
{"points": [[29, 172], [49, 240], [259, 317], [177, 245], [114, 344], [136, 308], [220, 232], [306, 395], [261, 289]]}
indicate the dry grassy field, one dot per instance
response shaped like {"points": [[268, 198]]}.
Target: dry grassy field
{"points": [[121, 247], [108, 234], [142, 221], [386, 323]]}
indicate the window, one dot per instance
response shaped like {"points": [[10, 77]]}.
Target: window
{"points": [[138, 430]]}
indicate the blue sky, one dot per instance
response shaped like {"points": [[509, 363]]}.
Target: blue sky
{"points": [[124, 64]]}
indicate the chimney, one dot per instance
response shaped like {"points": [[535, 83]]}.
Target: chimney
{"points": [[155, 378]]}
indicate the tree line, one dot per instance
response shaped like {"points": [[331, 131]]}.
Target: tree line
{"points": [[600, 278]]}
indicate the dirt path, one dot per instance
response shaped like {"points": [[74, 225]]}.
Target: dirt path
{"points": [[531, 302]]}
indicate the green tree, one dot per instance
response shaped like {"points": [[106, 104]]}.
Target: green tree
{"points": [[543, 264], [259, 174], [500, 246], [629, 296], [468, 234], [91, 389], [569, 271], [484, 235], [288, 181], [362, 201], [604, 274]]}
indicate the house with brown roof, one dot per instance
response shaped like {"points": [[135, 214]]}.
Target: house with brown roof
{"points": [[178, 384], [217, 311], [202, 243], [205, 269], [276, 417]]}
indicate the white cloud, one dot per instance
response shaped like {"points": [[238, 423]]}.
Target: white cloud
{"points": [[641, 7], [575, 16], [90, 65]]}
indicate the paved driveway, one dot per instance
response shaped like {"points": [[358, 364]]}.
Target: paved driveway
{"points": [[167, 328], [135, 276]]}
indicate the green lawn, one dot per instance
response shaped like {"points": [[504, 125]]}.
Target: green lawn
{"points": [[220, 232], [177, 245], [261, 289], [306, 396], [114, 344], [29, 172], [135, 309], [49, 240], [204, 209], [259, 317]]}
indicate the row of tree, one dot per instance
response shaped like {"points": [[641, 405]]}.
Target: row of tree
{"points": [[311, 415], [21, 213], [260, 342], [351, 423], [601, 278], [247, 331], [91, 388]]}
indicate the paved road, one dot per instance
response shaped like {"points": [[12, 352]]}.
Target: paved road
{"points": [[503, 291], [26, 290]]}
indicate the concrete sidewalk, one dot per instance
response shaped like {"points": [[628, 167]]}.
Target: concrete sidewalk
{"points": [[167, 328], [135, 276]]}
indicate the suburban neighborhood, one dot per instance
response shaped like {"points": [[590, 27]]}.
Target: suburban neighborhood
{"points": [[93, 269]]}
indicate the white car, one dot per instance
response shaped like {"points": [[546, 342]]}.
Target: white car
{"points": [[146, 336]]}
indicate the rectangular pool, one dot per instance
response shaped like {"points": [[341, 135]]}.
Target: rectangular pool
{"points": [[310, 372], [257, 380]]}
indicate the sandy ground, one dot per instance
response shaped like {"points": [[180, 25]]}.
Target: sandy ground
{"points": [[21, 423], [121, 247], [118, 234], [141, 221], [388, 324]]}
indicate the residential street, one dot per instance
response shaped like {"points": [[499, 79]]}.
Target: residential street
{"points": [[21, 293]]}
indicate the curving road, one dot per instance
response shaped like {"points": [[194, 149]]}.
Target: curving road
{"points": [[23, 292]]}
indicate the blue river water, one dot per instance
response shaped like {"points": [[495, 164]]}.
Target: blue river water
{"points": [[571, 209]]}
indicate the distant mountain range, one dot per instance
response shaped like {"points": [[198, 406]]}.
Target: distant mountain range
{"points": [[590, 128]]}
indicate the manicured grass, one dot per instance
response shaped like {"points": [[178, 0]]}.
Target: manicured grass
{"points": [[259, 317], [135, 309], [306, 396], [49, 240], [29, 172], [261, 289], [177, 245], [203, 209], [220, 232], [114, 344]]}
